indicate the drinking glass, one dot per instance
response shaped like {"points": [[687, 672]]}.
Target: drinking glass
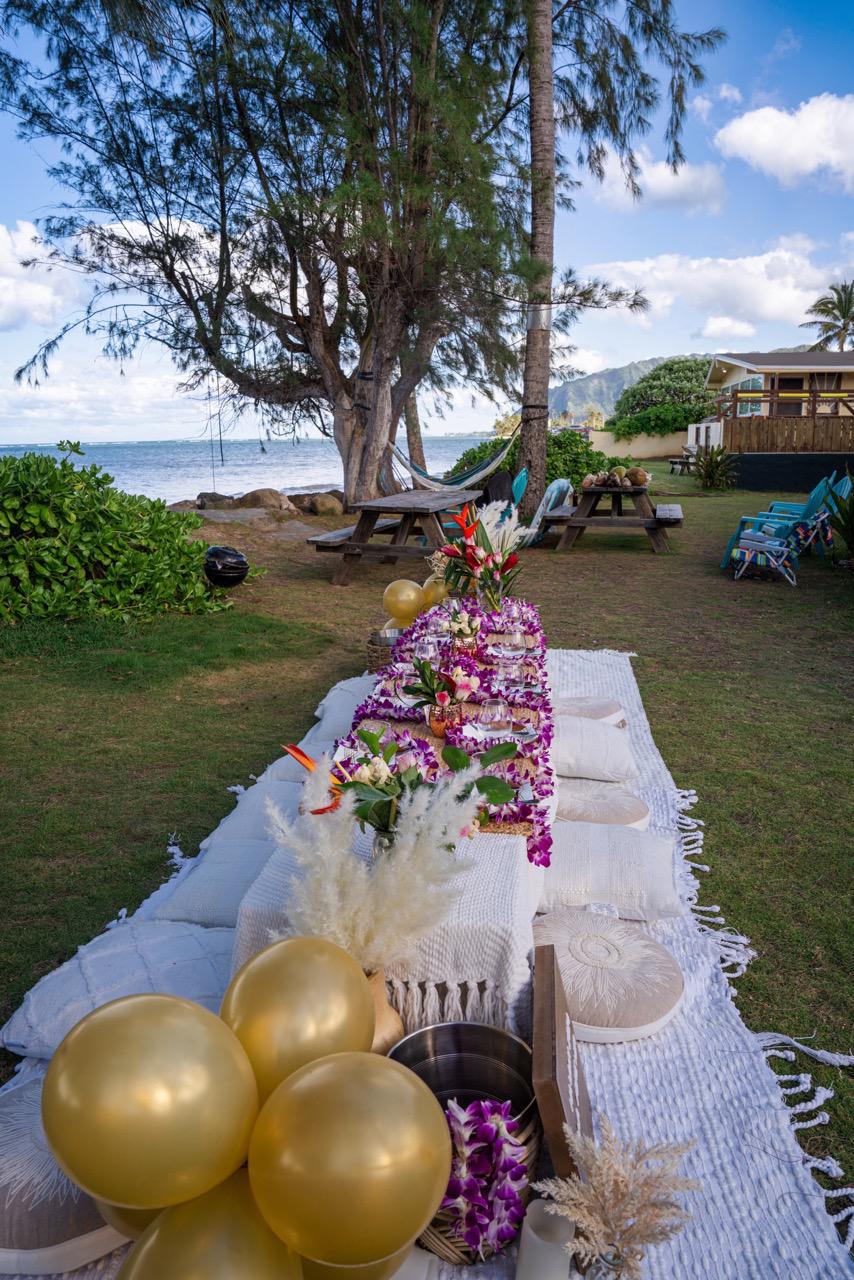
{"points": [[514, 643], [494, 716], [427, 650]]}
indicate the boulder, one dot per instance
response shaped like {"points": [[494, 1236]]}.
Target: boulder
{"points": [[302, 502], [326, 504], [269, 498], [186, 504], [214, 500]]}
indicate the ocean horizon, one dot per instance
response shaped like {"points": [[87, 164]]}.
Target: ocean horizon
{"points": [[175, 470]]}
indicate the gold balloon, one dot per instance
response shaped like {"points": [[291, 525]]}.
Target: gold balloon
{"points": [[295, 1001], [403, 599], [382, 1270], [148, 1101], [350, 1158], [218, 1236], [128, 1222], [435, 590]]}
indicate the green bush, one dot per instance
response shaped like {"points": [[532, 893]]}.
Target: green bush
{"points": [[568, 454], [657, 420], [716, 469], [72, 545], [677, 381]]}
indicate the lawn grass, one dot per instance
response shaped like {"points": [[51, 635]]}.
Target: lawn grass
{"points": [[114, 740]]}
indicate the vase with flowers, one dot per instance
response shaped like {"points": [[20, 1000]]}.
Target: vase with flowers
{"points": [[440, 693], [464, 628], [485, 555]]}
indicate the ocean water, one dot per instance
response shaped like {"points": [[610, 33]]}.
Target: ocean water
{"points": [[176, 469]]}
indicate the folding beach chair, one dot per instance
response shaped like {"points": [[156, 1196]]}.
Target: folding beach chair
{"points": [[767, 554]]}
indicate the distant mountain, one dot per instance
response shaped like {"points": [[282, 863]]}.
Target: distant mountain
{"points": [[602, 390]]}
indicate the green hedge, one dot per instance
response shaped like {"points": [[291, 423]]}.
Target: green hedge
{"points": [[568, 454], [72, 545], [657, 420]]}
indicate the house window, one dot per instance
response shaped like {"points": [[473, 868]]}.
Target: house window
{"points": [[790, 406], [820, 382], [746, 408]]}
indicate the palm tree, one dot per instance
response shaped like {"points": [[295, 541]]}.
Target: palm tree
{"points": [[834, 317]]}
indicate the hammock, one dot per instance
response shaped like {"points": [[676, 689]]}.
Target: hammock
{"points": [[464, 479]]}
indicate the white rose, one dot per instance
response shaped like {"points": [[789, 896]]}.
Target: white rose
{"points": [[379, 770]]}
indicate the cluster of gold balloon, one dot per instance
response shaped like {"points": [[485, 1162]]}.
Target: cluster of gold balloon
{"points": [[151, 1105], [403, 600]]}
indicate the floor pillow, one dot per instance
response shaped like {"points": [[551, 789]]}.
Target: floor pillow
{"points": [[248, 819], [317, 742], [136, 957], [210, 892], [586, 800], [585, 748], [619, 984], [591, 862], [47, 1225], [335, 711], [603, 709]]}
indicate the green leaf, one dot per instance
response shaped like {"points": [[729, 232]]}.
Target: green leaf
{"points": [[371, 740], [494, 790], [455, 758], [502, 751]]}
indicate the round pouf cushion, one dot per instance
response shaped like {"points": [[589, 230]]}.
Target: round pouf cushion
{"points": [[592, 709], [619, 983], [586, 800]]}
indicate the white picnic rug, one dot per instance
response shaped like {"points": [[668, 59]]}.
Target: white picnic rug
{"points": [[760, 1215]]}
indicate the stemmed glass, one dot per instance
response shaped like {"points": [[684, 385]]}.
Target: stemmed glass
{"points": [[494, 716], [427, 650]]}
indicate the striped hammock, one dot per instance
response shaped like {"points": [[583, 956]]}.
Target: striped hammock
{"points": [[464, 479]]}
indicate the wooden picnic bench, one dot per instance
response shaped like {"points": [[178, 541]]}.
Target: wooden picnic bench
{"points": [[653, 520], [413, 513]]}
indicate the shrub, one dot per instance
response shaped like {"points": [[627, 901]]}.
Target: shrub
{"points": [[72, 545], [841, 512], [677, 381], [656, 420], [567, 454], [716, 469]]}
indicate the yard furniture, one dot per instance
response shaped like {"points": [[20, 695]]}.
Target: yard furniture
{"points": [[684, 464], [780, 523], [655, 521], [414, 513], [772, 554], [555, 495]]}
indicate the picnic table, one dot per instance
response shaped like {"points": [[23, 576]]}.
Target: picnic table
{"points": [[413, 513], [654, 521]]}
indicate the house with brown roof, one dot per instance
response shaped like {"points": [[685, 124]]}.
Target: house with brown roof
{"points": [[783, 384]]}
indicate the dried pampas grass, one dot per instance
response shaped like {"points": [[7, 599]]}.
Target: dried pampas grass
{"points": [[378, 911], [623, 1199]]}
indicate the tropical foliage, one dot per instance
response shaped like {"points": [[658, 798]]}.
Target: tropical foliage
{"points": [[716, 469], [841, 513], [567, 454], [72, 545], [833, 317], [676, 386]]}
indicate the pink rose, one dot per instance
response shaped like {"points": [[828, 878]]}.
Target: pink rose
{"points": [[443, 698]]}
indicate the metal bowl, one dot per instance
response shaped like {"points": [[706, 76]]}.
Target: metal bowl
{"points": [[469, 1061]]}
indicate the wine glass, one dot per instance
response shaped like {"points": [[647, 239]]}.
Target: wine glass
{"points": [[514, 643], [494, 716], [427, 650]]}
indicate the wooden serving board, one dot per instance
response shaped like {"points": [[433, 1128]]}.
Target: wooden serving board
{"points": [[558, 1077]]}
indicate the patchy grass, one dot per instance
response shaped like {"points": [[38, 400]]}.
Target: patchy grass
{"points": [[115, 739]]}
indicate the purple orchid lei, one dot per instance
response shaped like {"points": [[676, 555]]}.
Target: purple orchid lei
{"points": [[538, 781], [488, 1175]]}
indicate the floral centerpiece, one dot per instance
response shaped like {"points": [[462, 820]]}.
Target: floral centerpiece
{"points": [[488, 1176], [464, 627], [440, 693], [485, 556]]}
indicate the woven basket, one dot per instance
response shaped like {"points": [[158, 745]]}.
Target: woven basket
{"points": [[439, 1237], [379, 649]]}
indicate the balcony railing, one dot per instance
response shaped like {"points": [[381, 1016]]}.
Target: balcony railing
{"points": [[780, 404]]}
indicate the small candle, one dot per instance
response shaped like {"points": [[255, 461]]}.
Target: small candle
{"points": [[542, 1251]]}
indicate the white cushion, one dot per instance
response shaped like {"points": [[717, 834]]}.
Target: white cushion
{"points": [[585, 748], [592, 862], [316, 743], [248, 819], [586, 800], [619, 984], [47, 1225], [134, 958], [604, 709], [335, 711], [211, 891]]}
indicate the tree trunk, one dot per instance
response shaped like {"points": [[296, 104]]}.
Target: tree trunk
{"points": [[348, 433], [414, 443], [535, 399]]}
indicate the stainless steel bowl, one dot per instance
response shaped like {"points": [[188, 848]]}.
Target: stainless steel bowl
{"points": [[468, 1061]]}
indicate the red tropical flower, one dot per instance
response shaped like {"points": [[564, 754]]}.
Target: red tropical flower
{"points": [[452, 551], [511, 561], [466, 522]]}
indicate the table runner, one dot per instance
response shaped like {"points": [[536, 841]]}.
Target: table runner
{"points": [[760, 1215]]}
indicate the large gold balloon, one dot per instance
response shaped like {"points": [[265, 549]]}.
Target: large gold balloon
{"points": [[382, 1270], [435, 590], [298, 1000], [219, 1236], [350, 1158], [403, 599], [128, 1222], [148, 1101]]}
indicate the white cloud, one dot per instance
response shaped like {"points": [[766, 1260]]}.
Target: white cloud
{"points": [[701, 106], [813, 138], [729, 93], [694, 187], [36, 295], [776, 286], [726, 327]]}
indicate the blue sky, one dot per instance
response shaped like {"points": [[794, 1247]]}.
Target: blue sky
{"points": [[730, 252]]}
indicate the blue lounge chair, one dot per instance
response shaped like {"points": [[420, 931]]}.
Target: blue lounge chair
{"points": [[779, 524], [555, 495], [799, 508], [760, 551]]}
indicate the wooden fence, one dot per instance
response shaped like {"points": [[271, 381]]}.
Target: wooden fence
{"points": [[822, 434]]}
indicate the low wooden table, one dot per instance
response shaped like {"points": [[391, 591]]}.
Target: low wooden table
{"points": [[417, 512], [641, 515]]}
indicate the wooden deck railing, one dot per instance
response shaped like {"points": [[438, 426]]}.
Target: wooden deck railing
{"points": [[780, 404], [824, 433]]}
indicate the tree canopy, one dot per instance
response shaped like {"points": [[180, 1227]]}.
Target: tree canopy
{"points": [[321, 205], [833, 317], [666, 399]]}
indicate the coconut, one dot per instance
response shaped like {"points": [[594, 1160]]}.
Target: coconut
{"points": [[625, 483], [588, 482], [618, 472], [638, 476]]}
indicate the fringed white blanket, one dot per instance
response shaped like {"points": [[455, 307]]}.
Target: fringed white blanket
{"points": [[760, 1215]]}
